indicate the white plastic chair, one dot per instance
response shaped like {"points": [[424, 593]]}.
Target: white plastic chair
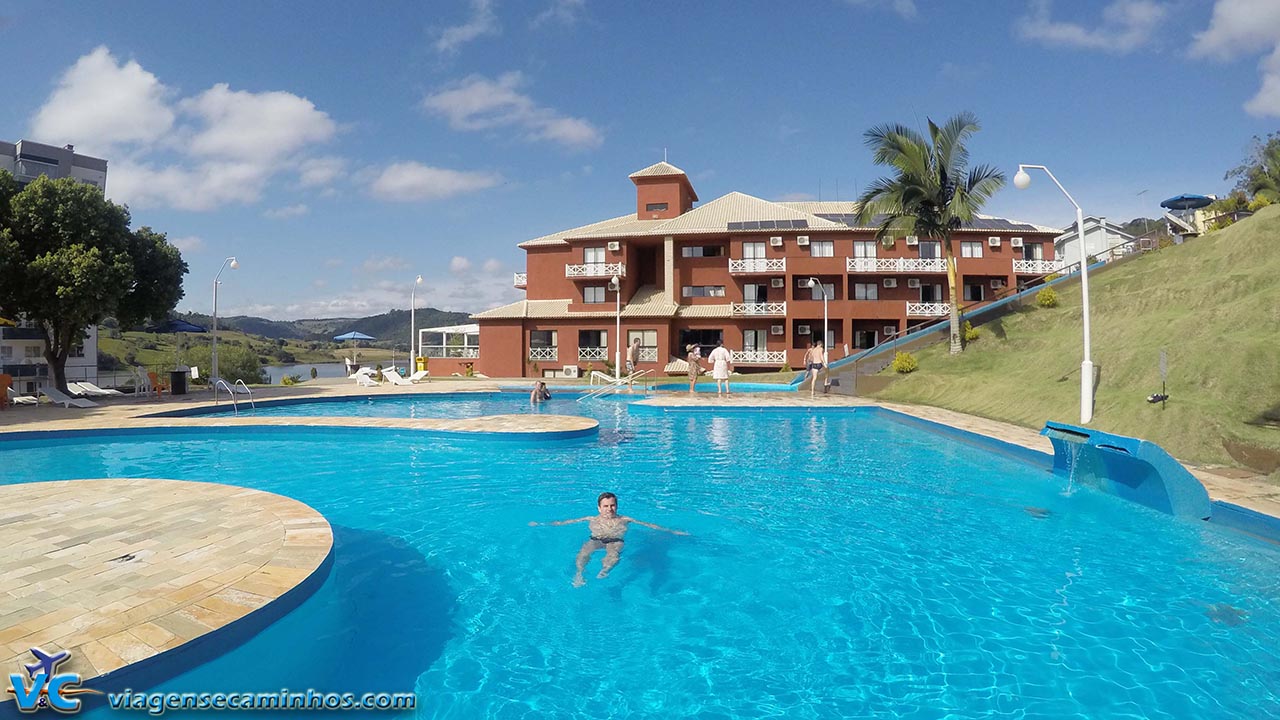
{"points": [[57, 396]]}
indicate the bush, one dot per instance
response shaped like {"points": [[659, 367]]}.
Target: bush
{"points": [[1047, 298], [288, 379], [1164, 242], [904, 362], [786, 366], [234, 363], [1257, 203], [1051, 277], [970, 332]]}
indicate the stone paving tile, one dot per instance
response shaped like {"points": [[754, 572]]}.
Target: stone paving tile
{"points": [[114, 597]]}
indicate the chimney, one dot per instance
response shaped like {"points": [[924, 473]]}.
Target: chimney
{"points": [[70, 147]]}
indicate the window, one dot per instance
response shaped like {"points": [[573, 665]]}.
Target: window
{"points": [[655, 207], [754, 340], [864, 248], [866, 291], [1033, 251], [864, 339], [76, 352], [705, 339], [931, 294], [593, 256], [32, 351], [971, 249], [593, 294], [754, 293], [822, 248], [930, 249], [593, 338], [815, 293], [702, 251], [973, 292], [542, 338], [703, 291], [6, 351], [753, 251], [648, 338]]}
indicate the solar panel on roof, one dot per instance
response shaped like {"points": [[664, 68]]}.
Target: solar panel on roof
{"points": [[801, 224], [769, 225], [750, 226], [735, 226]]}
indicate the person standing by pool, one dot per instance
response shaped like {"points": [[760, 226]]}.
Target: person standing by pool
{"points": [[721, 365], [694, 358], [633, 359], [815, 359], [607, 529]]}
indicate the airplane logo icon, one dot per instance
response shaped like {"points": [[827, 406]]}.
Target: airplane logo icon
{"points": [[47, 664]]}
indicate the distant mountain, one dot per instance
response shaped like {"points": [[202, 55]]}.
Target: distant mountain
{"points": [[390, 327]]}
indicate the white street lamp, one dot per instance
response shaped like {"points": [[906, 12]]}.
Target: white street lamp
{"points": [[213, 376], [414, 350], [616, 286], [813, 283], [1021, 181]]}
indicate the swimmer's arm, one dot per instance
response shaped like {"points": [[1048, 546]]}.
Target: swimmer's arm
{"points": [[563, 522], [655, 527]]}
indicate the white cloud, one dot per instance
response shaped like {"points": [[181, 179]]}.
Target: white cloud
{"points": [[202, 187], [459, 265], [411, 181], [1126, 26], [384, 263], [905, 8], [796, 197], [189, 244], [288, 211], [565, 12], [478, 103], [1244, 27], [482, 22], [317, 172], [101, 103], [493, 266], [255, 126]]}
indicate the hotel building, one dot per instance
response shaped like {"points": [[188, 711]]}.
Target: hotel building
{"points": [[749, 271]]}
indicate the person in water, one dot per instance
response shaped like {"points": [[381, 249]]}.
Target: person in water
{"points": [[540, 393], [607, 529]]}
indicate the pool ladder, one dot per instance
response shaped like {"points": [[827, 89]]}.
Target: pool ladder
{"points": [[232, 393]]}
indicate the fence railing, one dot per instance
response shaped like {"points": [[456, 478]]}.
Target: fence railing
{"points": [[757, 265], [544, 353], [521, 280], [596, 270], [759, 309], [446, 351], [896, 265], [593, 353], [760, 357], [928, 309], [1036, 267]]}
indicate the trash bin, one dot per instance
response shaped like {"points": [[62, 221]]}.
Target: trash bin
{"points": [[178, 382], [421, 364]]}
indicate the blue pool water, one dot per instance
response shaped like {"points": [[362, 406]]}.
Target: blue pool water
{"points": [[840, 564]]}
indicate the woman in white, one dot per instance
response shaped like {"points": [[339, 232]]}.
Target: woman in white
{"points": [[721, 364]]}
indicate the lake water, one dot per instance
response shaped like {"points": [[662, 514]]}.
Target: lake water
{"points": [[324, 370]]}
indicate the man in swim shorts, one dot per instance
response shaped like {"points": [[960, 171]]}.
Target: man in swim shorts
{"points": [[607, 529]]}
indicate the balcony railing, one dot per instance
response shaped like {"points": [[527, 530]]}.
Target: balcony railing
{"points": [[1037, 267], [593, 353], [757, 266], [447, 351], [760, 357], [765, 309], [928, 309], [648, 354], [544, 353], [895, 265], [521, 280], [595, 270]]}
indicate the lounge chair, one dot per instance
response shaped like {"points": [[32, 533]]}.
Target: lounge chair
{"points": [[17, 399], [93, 390], [56, 396], [157, 385], [393, 376], [419, 376]]}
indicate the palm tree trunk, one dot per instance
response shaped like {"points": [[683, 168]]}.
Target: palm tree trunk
{"points": [[950, 259]]}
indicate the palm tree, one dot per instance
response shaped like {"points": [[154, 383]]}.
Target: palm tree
{"points": [[932, 192]]}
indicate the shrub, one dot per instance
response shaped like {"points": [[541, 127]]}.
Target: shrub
{"points": [[786, 367], [1047, 298], [1164, 243], [904, 362], [1257, 203], [1051, 277], [970, 332], [289, 379], [234, 363]]}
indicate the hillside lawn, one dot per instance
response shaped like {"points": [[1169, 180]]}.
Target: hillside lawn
{"points": [[1212, 303], [165, 349]]}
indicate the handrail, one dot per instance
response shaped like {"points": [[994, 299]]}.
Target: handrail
{"points": [[604, 378], [606, 389], [231, 393], [249, 392]]}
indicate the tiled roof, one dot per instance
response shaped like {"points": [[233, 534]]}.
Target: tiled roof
{"points": [[818, 207], [705, 311], [558, 238], [658, 170]]}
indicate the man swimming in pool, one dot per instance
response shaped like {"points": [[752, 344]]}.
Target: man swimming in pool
{"points": [[607, 529]]}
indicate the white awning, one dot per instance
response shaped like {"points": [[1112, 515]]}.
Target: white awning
{"points": [[472, 329]]}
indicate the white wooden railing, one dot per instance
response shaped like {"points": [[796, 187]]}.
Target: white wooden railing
{"points": [[521, 280], [928, 309], [758, 265], [543, 353], [592, 270], [593, 353], [760, 357], [648, 354], [760, 309], [450, 351], [871, 265], [1036, 267]]}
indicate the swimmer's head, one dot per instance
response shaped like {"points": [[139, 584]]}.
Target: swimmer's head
{"points": [[607, 503]]}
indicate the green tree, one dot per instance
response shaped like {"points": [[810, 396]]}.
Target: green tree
{"points": [[1259, 174], [235, 362], [69, 260], [932, 192]]}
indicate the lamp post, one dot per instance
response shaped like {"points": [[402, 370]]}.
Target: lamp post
{"points": [[413, 326], [616, 286], [213, 376], [813, 283], [1021, 181]]}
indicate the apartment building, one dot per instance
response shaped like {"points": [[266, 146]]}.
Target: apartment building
{"points": [[22, 347], [747, 271]]}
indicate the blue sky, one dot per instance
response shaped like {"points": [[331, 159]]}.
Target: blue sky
{"points": [[338, 153]]}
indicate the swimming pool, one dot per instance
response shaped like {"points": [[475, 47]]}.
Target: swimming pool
{"points": [[839, 564]]}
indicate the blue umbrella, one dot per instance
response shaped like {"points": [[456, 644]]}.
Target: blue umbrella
{"points": [[1187, 202], [353, 335]]}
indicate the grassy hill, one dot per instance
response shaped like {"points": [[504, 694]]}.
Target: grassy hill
{"points": [[1213, 304], [390, 327]]}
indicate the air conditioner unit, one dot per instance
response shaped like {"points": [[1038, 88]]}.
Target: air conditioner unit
{"points": [[891, 282], [913, 282], [889, 330], [778, 282], [777, 330], [1015, 242], [993, 241], [615, 246], [775, 241], [913, 240], [571, 371], [802, 282], [802, 240], [803, 330], [997, 284]]}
